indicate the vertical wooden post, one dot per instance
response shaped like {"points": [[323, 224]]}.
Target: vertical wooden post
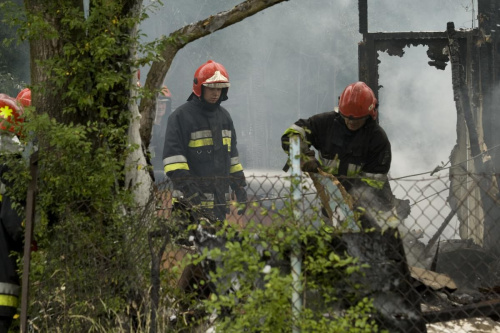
{"points": [[28, 237]]}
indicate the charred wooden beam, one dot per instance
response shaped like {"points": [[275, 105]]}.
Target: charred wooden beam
{"points": [[367, 55], [394, 43], [461, 94], [387, 280], [482, 163], [368, 64], [489, 48], [417, 36], [363, 16]]}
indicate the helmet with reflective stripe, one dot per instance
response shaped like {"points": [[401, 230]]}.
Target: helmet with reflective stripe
{"points": [[358, 101], [11, 114], [210, 74]]}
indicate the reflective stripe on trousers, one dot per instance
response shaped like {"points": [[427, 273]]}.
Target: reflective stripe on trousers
{"points": [[8, 300], [9, 294]]}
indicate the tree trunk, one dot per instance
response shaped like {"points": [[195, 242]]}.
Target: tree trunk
{"points": [[42, 49]]}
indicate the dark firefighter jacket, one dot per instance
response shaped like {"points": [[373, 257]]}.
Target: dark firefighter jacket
{"points": [[11, 240], [361, 158], [200, 154]]}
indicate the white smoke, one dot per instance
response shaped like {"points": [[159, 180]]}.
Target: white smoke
{"points": [[294, 59]]}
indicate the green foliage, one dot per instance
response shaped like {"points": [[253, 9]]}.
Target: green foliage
{"points": [[88, 270], [261, 301], [92, 272], [92, 269], [356, 319], [76, 174]]}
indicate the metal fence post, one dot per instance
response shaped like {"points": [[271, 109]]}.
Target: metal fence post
{"points": [[296, 256]]}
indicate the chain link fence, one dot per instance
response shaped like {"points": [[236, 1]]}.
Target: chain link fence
{"points": [[302, 258], [437, 267]]}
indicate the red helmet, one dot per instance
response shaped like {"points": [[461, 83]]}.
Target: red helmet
{"points": [[24, 97], [210, 74], [358, 101], [11, 114]]}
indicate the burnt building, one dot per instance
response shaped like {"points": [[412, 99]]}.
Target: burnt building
{"points": [[473, 55]]}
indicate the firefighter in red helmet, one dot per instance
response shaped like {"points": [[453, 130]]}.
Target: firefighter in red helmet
{"points": [[200, 157], [200, 153], [352, 146], [11, 232]]}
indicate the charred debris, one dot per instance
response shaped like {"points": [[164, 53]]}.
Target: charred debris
{"points": [[473, 261]]}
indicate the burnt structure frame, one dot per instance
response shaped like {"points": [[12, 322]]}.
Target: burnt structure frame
{"points": [[474, 56], [475, 62]]}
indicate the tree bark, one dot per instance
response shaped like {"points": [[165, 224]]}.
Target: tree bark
{"points": [[42, 49]]}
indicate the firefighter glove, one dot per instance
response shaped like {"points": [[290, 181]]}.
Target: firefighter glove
{"points": [[308, 162], [242, 198], [193, 194], [310, 166]]}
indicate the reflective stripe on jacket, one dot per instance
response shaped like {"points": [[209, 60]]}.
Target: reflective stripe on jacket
{"points": [[201, 148]]}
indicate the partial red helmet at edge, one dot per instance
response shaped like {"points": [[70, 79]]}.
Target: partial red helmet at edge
{"points": [[358, 101], [11, 114], [210, 74], [24, 97]]}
